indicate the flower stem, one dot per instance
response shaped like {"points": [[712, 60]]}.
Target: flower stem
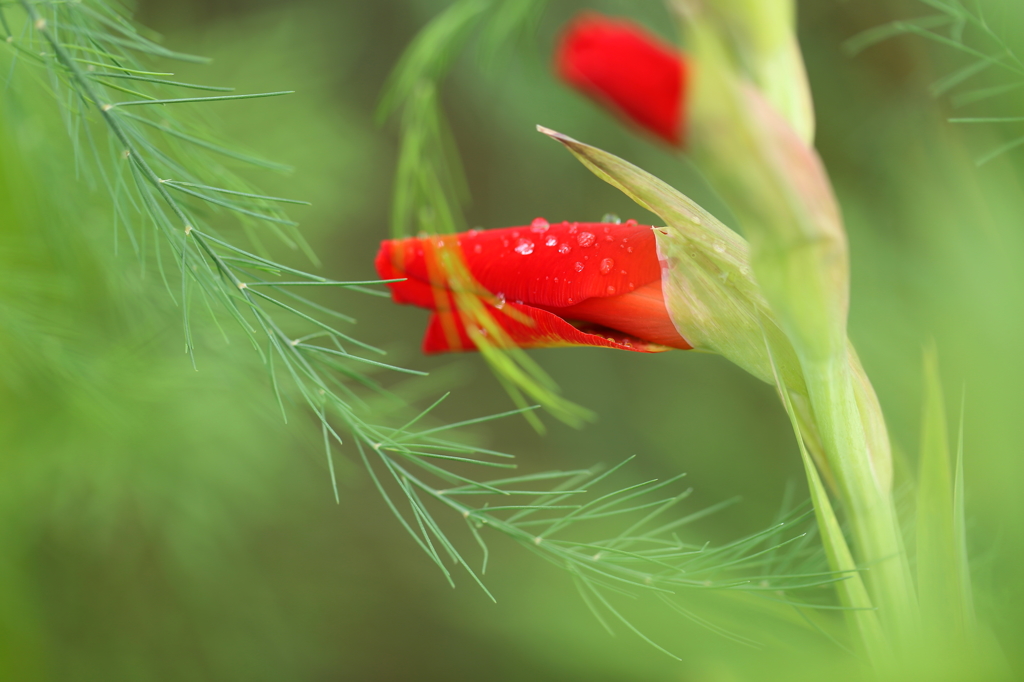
{"points": [[869, 503]]}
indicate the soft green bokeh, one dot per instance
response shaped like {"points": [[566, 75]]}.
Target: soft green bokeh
{"points": [[161, 523]]}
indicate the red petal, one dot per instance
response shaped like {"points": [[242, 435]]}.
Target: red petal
{"points": [[391, 263], [446, 332], [543, 265], [623, 66], [641, 314], [604, 276]]}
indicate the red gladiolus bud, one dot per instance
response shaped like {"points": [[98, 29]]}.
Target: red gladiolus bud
{"points": [[567, 284], [624, 67]]}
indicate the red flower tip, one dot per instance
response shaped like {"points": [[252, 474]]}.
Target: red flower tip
{"points": [[626, 68], [543, 285]]}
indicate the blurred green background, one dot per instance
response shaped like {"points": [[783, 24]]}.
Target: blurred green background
{"points": [[160, 523]]}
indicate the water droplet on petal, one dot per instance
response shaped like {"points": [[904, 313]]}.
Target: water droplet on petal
{"points": [[573, 228], [585, 239], [610, 291], [564, 248], [578, 266], [631, 286], [606, 266], [631, 223], [504, 242], [515, 234], [629, 249], [473, 233], [477, 248], [622, 272], [550, 241], [609, 238], [539, 225], [500, 303], [524, 247]]}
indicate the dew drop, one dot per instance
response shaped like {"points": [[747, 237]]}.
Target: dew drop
{"points": [[719, 247], [631, 223], [556, 279], [631, 286], [573, 228], [570, 299], [623, 272], [578, 266], [610, 291], [585, 239], [606, 266], [477, 248], [539, 225], [611, 218], [500, 302], [473, 233], [504, 242], [550, 241], [695, 219], [609, 238], [629, 249], [564, 248], [524, 247]]}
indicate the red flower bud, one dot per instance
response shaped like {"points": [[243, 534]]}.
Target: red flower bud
{"points": [[568, 284], [625, 68]]}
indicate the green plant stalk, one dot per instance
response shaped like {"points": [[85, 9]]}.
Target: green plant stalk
{"points": [[716, 303], [782, 196], [870, 508]]}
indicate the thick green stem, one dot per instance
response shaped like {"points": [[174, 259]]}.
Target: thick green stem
{"points": [[868, 502]]}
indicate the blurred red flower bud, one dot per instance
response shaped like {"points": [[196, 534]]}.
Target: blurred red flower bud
{"points": [[626, 68], [567, 284]]}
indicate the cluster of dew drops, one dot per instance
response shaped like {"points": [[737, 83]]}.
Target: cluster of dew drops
{"points": [[538, 226], [525, 246]]}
